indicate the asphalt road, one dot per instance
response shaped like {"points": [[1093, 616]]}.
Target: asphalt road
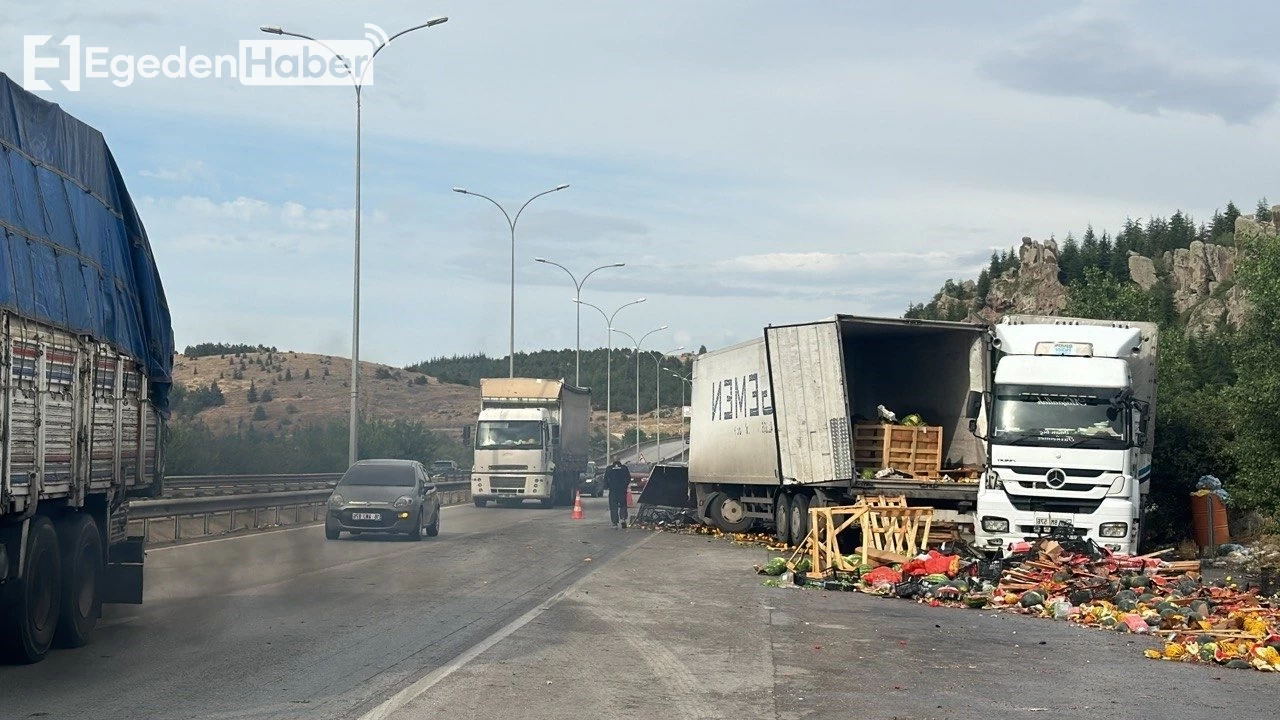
{"points": [[504, 616], [289, 625], [684, 629]]}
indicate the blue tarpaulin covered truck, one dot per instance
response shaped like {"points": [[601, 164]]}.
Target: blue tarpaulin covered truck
{"points": [[86, 355]]}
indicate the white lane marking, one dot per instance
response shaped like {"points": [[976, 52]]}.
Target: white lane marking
{"points": [[307, 526], [417, 689]]}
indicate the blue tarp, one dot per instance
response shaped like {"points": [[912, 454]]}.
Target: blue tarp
{"points": [[74, 253]]}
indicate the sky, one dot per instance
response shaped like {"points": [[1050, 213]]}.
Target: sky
{"points": [[751, 162]]}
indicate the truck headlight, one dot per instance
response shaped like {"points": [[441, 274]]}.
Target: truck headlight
{"points": [[993, 480], [335, 500], [403, 501], [995, 524], [1113, 529], [1118, 486]]}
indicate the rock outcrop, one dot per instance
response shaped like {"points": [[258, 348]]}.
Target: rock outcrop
{"points": [[1200, 277], [1196, 272], [1032, 287], [1142, 270]]}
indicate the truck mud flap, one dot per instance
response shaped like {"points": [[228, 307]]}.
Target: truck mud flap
{"points": [[124, 573]]}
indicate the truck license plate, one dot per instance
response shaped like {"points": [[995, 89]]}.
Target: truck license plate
{"points": [[1052, 522], [365, 516]]}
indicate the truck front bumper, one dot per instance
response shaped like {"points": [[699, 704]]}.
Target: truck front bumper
{"points": [[499, 487], [1114, 515]]}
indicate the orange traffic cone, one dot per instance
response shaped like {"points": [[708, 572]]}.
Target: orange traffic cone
{"points": [[577, 506]]}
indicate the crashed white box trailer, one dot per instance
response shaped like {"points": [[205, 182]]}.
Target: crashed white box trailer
{"points": [[772, 419]]}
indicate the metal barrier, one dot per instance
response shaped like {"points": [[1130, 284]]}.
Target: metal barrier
{"points": [[190, 517], [200, 485]]}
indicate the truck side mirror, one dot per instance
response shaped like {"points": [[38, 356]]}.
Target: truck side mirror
{"points": [[973, 425], [973, 408]]}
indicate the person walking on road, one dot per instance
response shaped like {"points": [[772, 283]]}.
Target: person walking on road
{"points": [[617, 477]]}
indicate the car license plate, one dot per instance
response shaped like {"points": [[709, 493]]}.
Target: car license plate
{"points": [[366, 516]]}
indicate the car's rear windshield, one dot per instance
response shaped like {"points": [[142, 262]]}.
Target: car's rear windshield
{"points": [[383, 475]]}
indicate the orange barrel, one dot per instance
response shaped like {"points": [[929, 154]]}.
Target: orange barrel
{"points": [[1201, 506]]}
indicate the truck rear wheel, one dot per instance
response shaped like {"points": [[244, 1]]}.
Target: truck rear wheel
{"points": [[32, 618], [82, 570], [799, 519], [782, 519], [479, 503], [730, 515]]}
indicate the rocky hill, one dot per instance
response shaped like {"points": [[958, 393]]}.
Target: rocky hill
{"points": [[1199, 279]]}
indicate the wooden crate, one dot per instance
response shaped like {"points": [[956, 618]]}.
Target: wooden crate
{"points": [[916, 451]]}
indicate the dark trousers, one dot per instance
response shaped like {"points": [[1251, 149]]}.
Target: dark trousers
{"points": [[617, 505]]}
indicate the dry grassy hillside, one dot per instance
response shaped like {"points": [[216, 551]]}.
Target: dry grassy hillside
{"points": [[306, 389]]}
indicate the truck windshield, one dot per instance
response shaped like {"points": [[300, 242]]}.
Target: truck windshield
{"points": [[442, 464], [509, 435], [1058, 417]]}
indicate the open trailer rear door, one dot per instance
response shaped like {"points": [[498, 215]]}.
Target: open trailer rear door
{"points": [[810, 402]]}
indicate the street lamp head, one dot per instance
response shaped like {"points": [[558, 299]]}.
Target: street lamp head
{"points": [[538, 259], [272, 29], [640, 300], [461, 190], [437, 21], [562, 186], [618, 265], [664, 327]]}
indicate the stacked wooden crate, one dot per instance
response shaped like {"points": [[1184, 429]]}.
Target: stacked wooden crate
{"points": [[916, 451]]}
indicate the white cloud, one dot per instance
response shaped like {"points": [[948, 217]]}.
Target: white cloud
{"points": [[190, 171], [1097, 51]]}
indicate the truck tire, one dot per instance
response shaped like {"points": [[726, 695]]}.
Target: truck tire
{"points": [[478, 502], [730, 515], [546, 502], [82, 573], [799, 518], [782, 518], [32, 619]]}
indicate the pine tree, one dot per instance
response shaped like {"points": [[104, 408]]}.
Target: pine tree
{"points": [[288, 375], [702, 350], [252, 395], [1089, 255], [306, 374], [1070, 264], [1229, 217], [259, 413], [1263, 213], [1104, 253], [984, 286]]}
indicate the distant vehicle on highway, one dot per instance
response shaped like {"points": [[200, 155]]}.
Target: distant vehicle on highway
{"points": [[443, 467], [384, 496], [592, 481]]}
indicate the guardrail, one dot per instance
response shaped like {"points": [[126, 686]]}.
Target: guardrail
{"points": [[196, 485], [185, 518]]}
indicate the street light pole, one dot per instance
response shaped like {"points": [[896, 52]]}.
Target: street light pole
{"points": [[608, 373], [684, 381], [511, 222], [358, 83], [638, 343], [577, 353], [657, 378]]}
